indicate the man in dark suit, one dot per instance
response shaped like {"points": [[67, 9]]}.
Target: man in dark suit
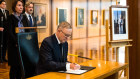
{"points": [[28, 15], [3, 33], [54, 49]]}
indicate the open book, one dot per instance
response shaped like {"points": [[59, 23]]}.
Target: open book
{"points": [[82, 70]]}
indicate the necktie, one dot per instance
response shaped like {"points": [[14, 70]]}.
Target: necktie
{"points": [[60, 45], [30, 19], [4, 14], [61, 50]]}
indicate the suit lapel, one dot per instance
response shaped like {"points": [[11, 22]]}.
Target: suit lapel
{"points": [[7, 13], [27, 20], [1, 11], [65, 50], [57, 51], [2, 14]]}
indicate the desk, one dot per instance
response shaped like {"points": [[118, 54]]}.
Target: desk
{"points": [[104, 69]]}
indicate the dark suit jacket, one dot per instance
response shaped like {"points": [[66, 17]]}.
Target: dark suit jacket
{"points": [[28, 23], [4, 19], [4, 24], [50, 57], [12, 41]]}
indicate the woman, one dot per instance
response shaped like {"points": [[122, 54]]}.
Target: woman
{"points": [[15, 20]]}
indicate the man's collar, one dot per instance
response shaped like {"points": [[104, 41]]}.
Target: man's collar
{"points": [[2, 9], [57, 39], [26, 13]]}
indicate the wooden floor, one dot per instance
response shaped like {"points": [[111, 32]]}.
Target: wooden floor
{"points": [[88, 47], [4, 71]]}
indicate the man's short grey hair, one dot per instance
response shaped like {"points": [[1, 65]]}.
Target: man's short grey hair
{"points": [[64, 24], [28, 3]]}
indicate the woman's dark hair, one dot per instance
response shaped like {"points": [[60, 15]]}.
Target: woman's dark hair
{"points": [[15, 3]]}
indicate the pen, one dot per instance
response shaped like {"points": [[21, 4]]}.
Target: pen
{"points": [[79, 56]]}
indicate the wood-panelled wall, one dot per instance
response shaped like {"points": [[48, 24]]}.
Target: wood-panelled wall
{"points": [[134, 33], [9, 4], [94, 30], [88, 30], [138, 42]]}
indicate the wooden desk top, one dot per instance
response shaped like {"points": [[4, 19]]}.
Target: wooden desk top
{"points": [[103, 70]]}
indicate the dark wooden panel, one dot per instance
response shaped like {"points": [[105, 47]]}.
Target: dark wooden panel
{"points": [[138, 44], [133, 32]]}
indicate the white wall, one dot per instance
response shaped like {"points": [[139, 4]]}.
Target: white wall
{"points": [[122, 2]]}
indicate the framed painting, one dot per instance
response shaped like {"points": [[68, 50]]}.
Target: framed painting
{"points": [[40, 15], [119, 22], [61, 15], [94, 16], [79, 17], [105, 16]]}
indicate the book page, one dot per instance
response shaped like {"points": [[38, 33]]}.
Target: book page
{"points": [[74, 71]]}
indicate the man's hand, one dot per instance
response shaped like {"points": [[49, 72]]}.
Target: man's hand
{"points": [[74, 66], [1, 29]]}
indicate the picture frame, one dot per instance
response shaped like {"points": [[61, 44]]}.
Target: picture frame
{"points": [[61, 15], [119, 22], [40, 15], [105, 16], [79, 17], [94, 17]]}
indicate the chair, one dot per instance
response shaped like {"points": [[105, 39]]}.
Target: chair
{"points": [[28, 53]]}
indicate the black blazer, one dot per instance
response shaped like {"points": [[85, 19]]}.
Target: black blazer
{"points": [[4, 19], [4, 24], [50, 57], [28, 23], [12, 41]]}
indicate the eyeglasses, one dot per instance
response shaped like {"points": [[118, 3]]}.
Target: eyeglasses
{"points": [[66, 35]]}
